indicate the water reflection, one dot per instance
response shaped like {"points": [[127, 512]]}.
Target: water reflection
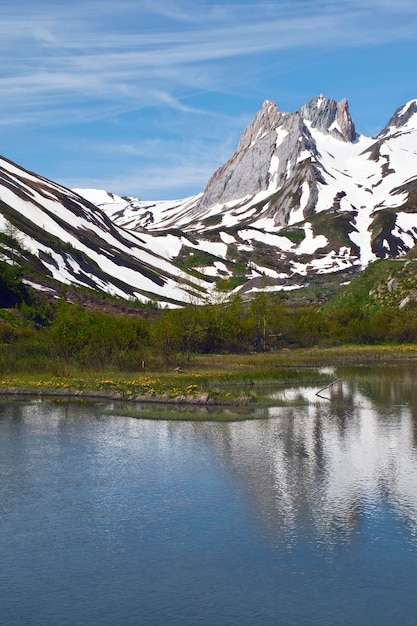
{"points": [[307, 517], [329, 464], [320, 467]]}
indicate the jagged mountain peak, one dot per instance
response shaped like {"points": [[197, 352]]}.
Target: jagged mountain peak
{"points": [[307, 182], [302, 197], [271, 149], [265, 121], [329, 116], [401, 118], [259, 164], [323, 114]]}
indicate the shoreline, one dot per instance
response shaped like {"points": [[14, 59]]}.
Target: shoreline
{"points": [[209, 380], [200, 400]]}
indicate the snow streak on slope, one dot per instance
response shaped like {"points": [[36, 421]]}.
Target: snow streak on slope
{"points": [[78, 244], [324, 199], [304, 195], [365, 176]]}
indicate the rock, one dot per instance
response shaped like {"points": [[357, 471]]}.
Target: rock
{"points": [[401, 116], [198, 399], [392, 285], [265, 121], [267, 154], [331, 117]]}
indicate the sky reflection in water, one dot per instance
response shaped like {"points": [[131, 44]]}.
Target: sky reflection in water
{"points": [[309, 517]]}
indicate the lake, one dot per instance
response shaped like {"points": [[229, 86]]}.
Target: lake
{"points": [[307, 517]]}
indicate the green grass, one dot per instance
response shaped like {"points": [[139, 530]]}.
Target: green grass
{"points": [[363, 290], [296, 235], [225, 378]]}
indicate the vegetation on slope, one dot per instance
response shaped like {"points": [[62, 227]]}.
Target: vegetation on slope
{"points": [[44, 336], [390, 283], [100, 345]]}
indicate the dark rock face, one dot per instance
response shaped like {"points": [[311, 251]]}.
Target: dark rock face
{"points": [[401, 116], [329, 116]]}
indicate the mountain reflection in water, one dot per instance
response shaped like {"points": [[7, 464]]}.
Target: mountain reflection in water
{"points": [[327, 463], [308, 517]]}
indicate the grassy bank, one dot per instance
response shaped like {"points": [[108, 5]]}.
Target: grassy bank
{"points": [[209, 379]]}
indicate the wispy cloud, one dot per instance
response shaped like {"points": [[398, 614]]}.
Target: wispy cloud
{"points": [[154, 179], [135, 90], [93, 54]]}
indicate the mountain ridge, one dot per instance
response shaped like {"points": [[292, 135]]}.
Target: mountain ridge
{"points": [[304, 199], [302, 184]]}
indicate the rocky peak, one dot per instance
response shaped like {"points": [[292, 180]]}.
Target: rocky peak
{"points": [[269, 151], [401, 117], [265, 121], [331, 117], [268, 147]]}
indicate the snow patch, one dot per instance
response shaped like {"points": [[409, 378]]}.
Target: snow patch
{"points": [[297, 215], [282, 243], [311, 243], [226, 238]]}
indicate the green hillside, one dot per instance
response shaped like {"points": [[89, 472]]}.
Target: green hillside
{"points": [[385, 283]]}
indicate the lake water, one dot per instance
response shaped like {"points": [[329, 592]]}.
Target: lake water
{"points": [[308, 517]]}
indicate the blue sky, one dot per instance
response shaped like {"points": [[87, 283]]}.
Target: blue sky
{"points": [[148, 98]]}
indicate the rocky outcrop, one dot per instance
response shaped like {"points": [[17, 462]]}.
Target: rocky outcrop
{"points": [[269, 152], [265, 121], [246, 173], [400, 118], [344, 122], [329, 116]]}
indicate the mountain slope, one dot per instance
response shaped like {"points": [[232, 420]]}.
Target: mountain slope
{"points": [[304, 195], [62, 236], [304, 200]]}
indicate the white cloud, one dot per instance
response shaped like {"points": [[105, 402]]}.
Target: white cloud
{"points": [[91, 55], [85, 63]]}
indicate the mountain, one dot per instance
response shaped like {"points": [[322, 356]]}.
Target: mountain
{"points": [[304, 200], [57, 237]]}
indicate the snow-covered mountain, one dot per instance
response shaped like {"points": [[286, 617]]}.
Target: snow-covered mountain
{"points": [[303, 195], [56, 234], [305, 198]]}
